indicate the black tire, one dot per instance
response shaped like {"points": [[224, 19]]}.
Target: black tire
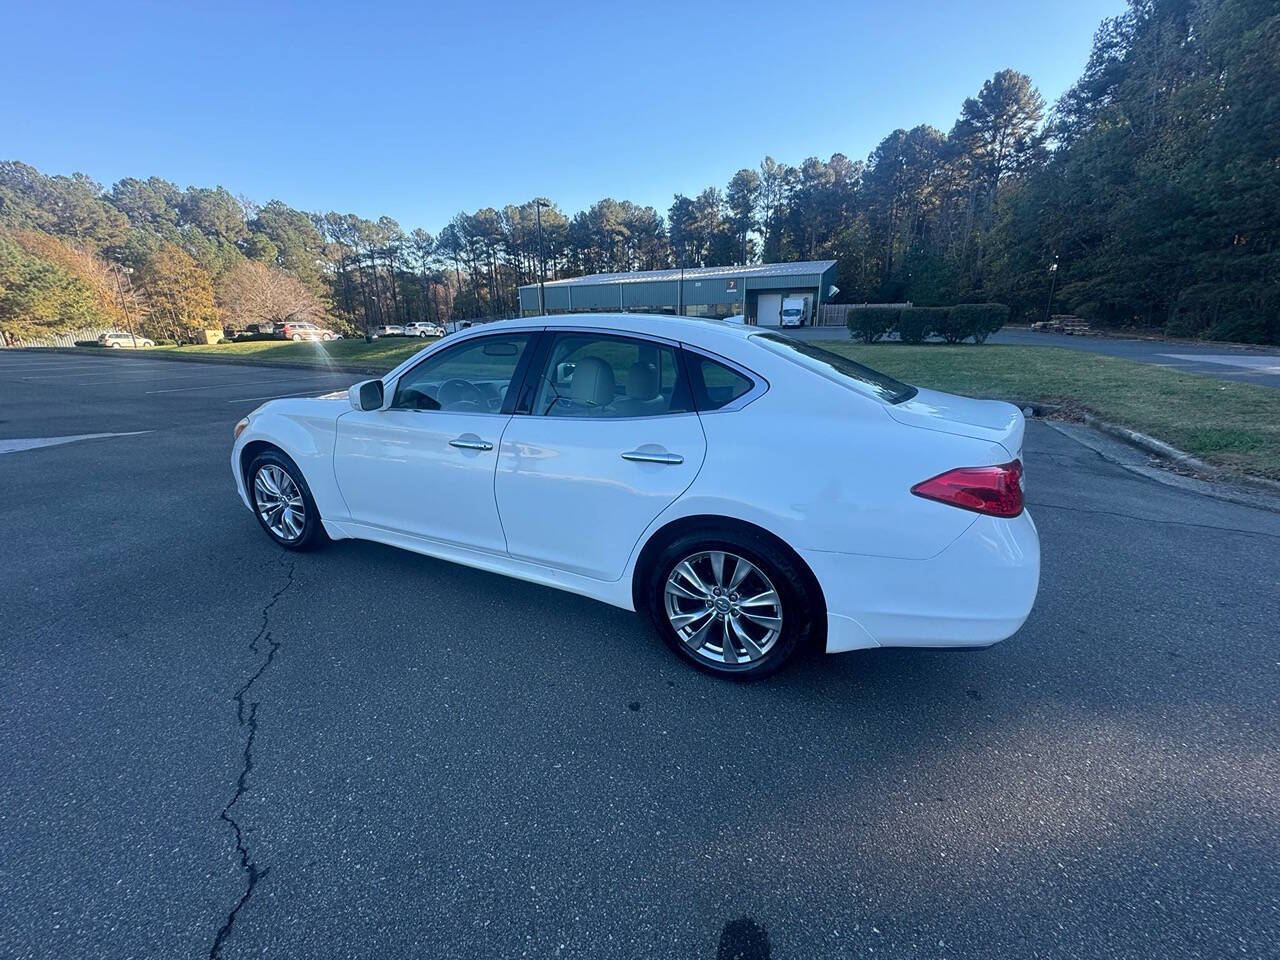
{"points": [[312, 534], [798, 604]]}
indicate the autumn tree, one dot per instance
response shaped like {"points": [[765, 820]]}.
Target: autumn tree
{"points": [[179, 293], [256, 293]]}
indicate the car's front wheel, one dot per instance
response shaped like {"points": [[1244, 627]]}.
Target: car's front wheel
{"points": [[282, 502], [731, 604]]}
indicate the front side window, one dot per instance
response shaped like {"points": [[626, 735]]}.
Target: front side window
{"points": [[472, 377], [599, 375]]}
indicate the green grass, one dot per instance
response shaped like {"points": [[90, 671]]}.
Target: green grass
{"points": [[376, 357], [1233, 425]]}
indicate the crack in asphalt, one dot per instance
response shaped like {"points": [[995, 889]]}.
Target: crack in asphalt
{"points": [[247, 716], [1040, 504]]}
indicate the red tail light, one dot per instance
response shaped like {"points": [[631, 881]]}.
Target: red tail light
{"points": [[996, 491]]}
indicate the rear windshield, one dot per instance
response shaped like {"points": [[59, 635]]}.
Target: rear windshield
{"points": [[838, 368]]}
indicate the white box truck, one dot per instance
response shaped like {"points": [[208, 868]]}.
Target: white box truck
{"points": [[795, 311]]}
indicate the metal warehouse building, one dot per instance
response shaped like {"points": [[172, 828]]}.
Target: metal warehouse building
{"points": [[756, 292]]}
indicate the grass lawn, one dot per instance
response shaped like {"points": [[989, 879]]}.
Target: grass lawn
{"points": [[377, 357], [1233, 425]]}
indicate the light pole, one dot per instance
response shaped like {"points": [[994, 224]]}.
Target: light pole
{"points": [[680, 291], [542, 263], [124, 305], [1053, 281]]}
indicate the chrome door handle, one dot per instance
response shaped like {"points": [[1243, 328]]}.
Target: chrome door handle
{"points": [[471, 444], [642, 456]]}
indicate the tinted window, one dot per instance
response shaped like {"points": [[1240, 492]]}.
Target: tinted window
{"points": [[715, 384], [596, 375], [472, 377], [838, 368]]}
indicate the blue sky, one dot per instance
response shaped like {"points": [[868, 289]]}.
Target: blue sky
{"points": [[418, 110]]}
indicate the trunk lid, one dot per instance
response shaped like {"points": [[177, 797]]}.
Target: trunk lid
{"points": [[992, 420]]}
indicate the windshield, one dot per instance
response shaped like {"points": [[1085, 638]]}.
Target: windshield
{"points": [[838, 367]]}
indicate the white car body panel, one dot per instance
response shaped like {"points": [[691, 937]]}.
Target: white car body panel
{"points": [[553, 474], [826, 468], [397, 471]]}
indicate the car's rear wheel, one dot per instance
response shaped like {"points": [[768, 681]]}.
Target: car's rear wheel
{"points": [[730, 604], [282, 502]]}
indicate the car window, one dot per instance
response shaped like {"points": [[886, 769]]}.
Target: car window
{"points": [[471, 377], [838, 368], [715, 384], [599, 375]]}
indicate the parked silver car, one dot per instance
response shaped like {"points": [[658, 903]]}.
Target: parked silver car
{"points": [[117, 339]]}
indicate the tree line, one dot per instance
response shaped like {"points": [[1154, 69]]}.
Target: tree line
{"points": [[1151, 189]]}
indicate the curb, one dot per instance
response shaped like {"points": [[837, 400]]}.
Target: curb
{"points": [[1158, 448]]}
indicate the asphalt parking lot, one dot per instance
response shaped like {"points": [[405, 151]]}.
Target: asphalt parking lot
{"points": [[365, 753]]}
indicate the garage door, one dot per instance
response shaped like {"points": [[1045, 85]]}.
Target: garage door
{"points": [[769, 310]]}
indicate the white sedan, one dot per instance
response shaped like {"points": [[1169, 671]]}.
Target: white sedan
{"points": [[748, 492]]}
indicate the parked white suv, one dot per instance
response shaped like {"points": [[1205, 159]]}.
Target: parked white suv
{"points": [[423, 329], [117, 339]]}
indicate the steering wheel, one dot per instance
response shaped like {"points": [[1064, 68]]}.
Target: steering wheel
{"points": [[459, 394]]}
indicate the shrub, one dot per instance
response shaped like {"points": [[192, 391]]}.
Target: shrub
{"points": [[869, 324], [956, 325], [917, 324], [164, 342], [1184, 323], [977, 320], [1241, 327]]}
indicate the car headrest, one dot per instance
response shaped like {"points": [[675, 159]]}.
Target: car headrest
{"points": [[642, 381], [593, 382]]}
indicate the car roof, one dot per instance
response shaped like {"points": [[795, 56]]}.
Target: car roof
{"points": [[693, 330]]}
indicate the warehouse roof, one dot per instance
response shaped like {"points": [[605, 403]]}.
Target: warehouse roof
{"points": [[804, 267]]}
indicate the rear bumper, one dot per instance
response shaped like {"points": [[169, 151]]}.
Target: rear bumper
{"points": [[976, 592]]}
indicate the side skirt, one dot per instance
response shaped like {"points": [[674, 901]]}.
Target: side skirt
{"points": [[616, 593]]}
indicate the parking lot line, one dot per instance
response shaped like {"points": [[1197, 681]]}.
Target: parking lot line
{"points": [[246, 383], [277, 396]]}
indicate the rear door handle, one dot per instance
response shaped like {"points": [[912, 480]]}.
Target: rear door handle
{"points": [[469, 443], [644, 456]]}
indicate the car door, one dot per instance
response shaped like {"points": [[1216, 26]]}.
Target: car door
{"points": [[423, 465], [605, 438]]}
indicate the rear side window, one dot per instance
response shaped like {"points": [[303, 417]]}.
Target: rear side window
{"points": [[838, 368], [715, 385], [607, 376]]}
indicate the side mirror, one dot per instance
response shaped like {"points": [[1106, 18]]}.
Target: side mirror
{"points": [[366, 395]]}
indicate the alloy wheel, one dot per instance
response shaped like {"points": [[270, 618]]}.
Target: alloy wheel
{"points": [[723, 608], [279, 502]]}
